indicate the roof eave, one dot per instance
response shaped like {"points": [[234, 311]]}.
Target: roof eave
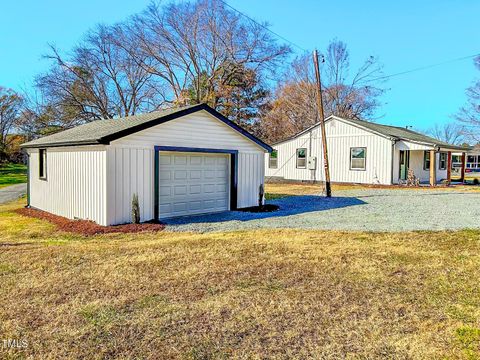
{"points": [[63, 144]]}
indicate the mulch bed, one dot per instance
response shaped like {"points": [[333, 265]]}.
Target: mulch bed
{"points": [[87, 227], [257, 209]]}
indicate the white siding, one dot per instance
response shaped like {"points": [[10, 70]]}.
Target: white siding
{"points": [[76, 183], [341, 136], [199, 129], [251, 170], [130, 170], [131, 161]]}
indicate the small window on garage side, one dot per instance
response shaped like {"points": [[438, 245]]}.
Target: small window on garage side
{"points": [[301, 158], [442, 164], [273, 160], [358, 158], [426, 160], [42, 162]]}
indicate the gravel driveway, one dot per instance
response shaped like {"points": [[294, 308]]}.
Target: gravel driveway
{"points": [[12, 192], [358, 209]]}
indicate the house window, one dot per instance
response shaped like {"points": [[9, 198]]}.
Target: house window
{"points": [[273, 160], [442, 164], [426, 160], [42, 162], [358, 157], [301, 158]]}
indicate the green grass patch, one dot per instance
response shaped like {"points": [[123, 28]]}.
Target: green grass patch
{"points": [[469, 337], [6, 269], [99, 315], [270, 196], [11, 174]]}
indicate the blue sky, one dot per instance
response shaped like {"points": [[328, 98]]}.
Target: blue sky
{"points": [[403, 34]]}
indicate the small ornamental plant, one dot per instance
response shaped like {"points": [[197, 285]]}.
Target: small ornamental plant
{"points": [[261, 193], [135, 210]]}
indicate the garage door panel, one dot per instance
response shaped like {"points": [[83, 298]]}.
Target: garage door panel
{"points": [[195, 189], [196, 160], [180, 190], [193, 184], [221, 174], [221, 188], [195, 174], [165, 208], [165, 191], [180, 174], [209, 188], [180, 160], [209, 161], [180, 207], [166, 175], [165, 160], [196, 205]]}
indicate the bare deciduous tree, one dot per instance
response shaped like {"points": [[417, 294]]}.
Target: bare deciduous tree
{"points": [[175, 54], [469, 115], [99, 80], [294, 107], [204, 47], [451, 133]]}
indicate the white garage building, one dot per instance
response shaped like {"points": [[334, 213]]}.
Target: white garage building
{"points": [[361, 152], [184, 161]]}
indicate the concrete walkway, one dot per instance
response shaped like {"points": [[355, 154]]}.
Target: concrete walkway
{"points": [[12, 192]]}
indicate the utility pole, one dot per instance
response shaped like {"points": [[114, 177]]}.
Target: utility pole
{"points": [[321, 117]]}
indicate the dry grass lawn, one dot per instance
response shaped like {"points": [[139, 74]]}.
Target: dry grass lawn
{"points": [[256, 294]]}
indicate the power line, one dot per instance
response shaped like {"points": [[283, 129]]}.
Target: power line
{"points": [[374, 79], [425, 67], [263, 26]]}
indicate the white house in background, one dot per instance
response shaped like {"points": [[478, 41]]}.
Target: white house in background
{"points": [[360, 152], [179, 162]]}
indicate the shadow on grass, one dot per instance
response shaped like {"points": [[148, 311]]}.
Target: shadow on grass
{"points": [[289, 205]]}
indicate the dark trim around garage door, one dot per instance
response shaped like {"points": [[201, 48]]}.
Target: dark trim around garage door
{"points": [[233, 172]]}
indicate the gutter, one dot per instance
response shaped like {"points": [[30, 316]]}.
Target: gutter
{"points": [[392, 162], [28, 180], [60, 144]]}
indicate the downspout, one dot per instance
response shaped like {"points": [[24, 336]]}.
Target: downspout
{"points": [[312, 172], [392, 162], [28, 179]]}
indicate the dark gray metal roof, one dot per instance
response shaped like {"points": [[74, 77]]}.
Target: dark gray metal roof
{"points": [[104, 131], [393, 132]]}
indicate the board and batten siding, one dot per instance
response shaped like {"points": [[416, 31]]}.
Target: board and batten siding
{"points": [[75, 186], [130, 161], [129, 171], [341, 137]]}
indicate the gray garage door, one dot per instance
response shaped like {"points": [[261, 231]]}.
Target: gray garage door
{"points": [[193, 183]]}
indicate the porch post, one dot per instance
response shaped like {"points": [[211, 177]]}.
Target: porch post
{"points": [[462, 173], [433, 173], [449, 167]]}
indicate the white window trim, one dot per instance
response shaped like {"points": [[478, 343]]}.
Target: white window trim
{"points": [[270, 158], [364, 159], [440, 161], [42, 161], [297, 158]]}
